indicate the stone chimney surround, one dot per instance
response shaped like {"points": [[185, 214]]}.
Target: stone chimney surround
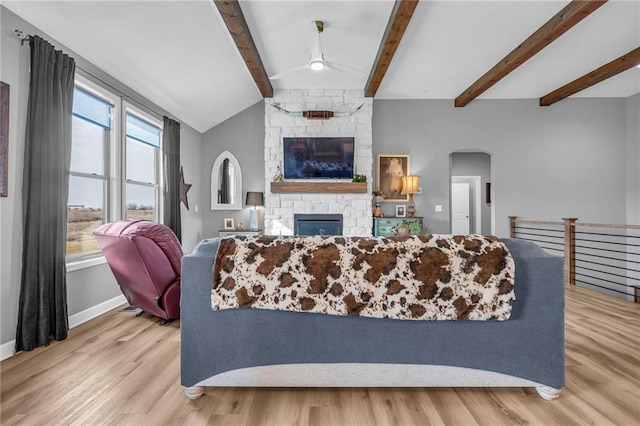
{"points": [[355, 207]]}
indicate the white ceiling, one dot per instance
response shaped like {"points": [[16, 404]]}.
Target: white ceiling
{"points": [[179, 54], [282, 32]]}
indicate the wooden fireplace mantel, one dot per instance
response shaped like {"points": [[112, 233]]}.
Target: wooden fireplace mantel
{"points": [[316, 187]]}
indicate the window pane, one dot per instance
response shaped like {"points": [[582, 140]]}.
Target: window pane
{"points": [[140, 202], [87, 149], [143, 131], [141, 161], [91, 108], [85, 213]]}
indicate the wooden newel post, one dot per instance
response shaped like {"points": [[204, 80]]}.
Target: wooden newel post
{"points": [[512, 226], [569, 250]]}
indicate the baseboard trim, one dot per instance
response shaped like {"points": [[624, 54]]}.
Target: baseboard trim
{"points": [[97, 310], [6, 349]]}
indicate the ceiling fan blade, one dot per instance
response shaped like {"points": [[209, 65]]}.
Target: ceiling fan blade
{"points": [[285, 73], [343, 68]]}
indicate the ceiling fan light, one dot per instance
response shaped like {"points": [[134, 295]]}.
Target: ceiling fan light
{"points": [[316, 65]]}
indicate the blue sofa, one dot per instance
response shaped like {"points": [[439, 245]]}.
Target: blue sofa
{"points": [[252, 347]]}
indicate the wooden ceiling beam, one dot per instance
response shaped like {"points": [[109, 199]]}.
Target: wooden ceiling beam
{"points": [[398, 22], [602, 73], [560, 23], [236, 24]]}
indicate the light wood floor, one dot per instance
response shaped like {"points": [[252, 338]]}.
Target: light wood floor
{"points": [[122, 370]]}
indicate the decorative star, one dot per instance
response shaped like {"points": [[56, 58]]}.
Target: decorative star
{"points": [[184, 188]]}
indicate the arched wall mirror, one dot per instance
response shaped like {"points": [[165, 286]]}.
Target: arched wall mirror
{"points": [[226, 183]]}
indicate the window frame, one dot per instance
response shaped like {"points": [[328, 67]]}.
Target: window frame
{"points": [[109, 171], [129, 108], [114, 159]]}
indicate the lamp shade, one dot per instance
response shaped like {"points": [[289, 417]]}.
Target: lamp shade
{"points": [[410, 184], [255, 199]]}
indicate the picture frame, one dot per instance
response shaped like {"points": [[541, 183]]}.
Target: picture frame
{"points": [[229, 223], [390, 168], [401, 210], [4, 137]]}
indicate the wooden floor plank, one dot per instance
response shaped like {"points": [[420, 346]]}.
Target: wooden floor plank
{"points": [[392, 407], [492, 412], [450, 407], [119, 369], [356, 407]]}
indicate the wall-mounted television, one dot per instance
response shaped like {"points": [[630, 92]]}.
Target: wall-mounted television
{"points": [[318, 158]]}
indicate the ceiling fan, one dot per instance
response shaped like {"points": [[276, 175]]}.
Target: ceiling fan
{"points": [[317, 62]]}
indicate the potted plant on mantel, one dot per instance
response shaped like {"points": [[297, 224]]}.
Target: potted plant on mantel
{"points": [[378, 198]]}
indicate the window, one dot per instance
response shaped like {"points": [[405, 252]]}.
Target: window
{"points": [[115, 166], [142, 157], [89, 171]]}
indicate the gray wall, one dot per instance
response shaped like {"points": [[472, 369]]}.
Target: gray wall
{"points": [[191, 159], [243, 136], [475, 164], [547, 163], [90, 286], [633, 159]]}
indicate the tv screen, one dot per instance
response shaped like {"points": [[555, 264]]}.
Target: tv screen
{"points": [[318, 158]]}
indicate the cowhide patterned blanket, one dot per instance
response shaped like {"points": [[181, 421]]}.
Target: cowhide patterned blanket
{"points": [[436, 277]]}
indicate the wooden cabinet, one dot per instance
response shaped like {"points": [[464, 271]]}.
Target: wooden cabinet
{"points": [[248, 232], [394, 226]]}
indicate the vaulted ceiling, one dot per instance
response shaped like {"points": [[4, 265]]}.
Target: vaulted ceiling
{"points": [[181, 56]]}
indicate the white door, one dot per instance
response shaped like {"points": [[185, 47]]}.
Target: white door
{"points": [[459, 208]]}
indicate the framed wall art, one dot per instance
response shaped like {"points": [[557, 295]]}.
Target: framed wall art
{"points": [[390, 168], [4, 137]]}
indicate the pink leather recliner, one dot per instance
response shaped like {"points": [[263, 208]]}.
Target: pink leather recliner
{"points": [[145, 258]]}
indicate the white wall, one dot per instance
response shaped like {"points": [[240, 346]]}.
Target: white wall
{"points": [[87, 287], [547, 162]]}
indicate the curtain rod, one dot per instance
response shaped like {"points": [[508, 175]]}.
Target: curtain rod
{"points": [[27, 37]]}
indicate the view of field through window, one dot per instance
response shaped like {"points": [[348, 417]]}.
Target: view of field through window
{"points": [[82, 221]]}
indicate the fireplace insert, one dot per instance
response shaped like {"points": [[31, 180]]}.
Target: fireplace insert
{"points": [[317, 224]]}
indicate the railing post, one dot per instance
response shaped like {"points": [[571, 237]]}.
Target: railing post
{"points": [[569, 250], [512, 226]]}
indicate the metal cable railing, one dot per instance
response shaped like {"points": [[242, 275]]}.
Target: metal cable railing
{"points": [[600, 256]]}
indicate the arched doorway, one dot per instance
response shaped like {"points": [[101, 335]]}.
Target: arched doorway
{"points": [[471, 209]]}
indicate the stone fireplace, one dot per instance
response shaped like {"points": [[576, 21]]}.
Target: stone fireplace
{"points": [[355, 208]]}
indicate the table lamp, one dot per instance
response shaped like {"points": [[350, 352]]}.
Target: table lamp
{"points": [[410, 186], [254, 199]]}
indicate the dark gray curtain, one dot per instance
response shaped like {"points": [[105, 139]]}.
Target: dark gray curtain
{"points": [[225, 196], [42, 311], [172, 183]]}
